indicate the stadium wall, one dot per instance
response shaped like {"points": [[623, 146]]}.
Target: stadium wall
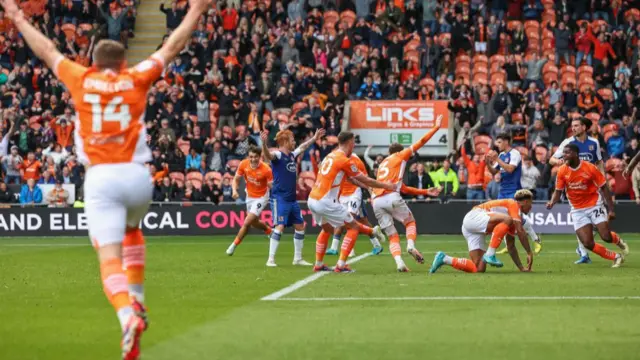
{"points": [[207, 219]]}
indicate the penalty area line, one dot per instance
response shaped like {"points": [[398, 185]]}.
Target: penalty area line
{"points": [[464, 298], [306, 281]]}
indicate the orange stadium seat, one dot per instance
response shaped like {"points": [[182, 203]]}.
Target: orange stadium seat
{"points": [[178, 177], [215, 176], [196, 179]]}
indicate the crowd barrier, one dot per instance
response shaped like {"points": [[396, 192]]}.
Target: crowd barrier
{"points": [[209, 219]]}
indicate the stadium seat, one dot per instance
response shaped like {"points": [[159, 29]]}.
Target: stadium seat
{"points": [[196, 179], [594, 117], [610, 127], [632, 14], [482, 139], [332, 140], [69, 30], [585, 69], [178, 177], [523, 150], [412, 55], [348, 17], [184, 145], [331, 16], [606, 94], [614, 164], [480, 59], [308, 175], [429, 83], [517, 118]]}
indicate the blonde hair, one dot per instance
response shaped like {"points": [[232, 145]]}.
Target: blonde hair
{"points": [[523, 194]]}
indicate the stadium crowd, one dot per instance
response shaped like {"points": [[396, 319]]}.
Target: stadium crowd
{"points": [[524, 67]]}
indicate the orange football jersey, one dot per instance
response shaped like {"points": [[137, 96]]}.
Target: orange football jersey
{"points": [[331, 174], [582, 184], [110, 110], [348, 188], [257, 179], [505, 206], [392, 170]]}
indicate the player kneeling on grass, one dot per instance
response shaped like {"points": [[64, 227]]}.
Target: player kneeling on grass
{"points": [[502, 219], [327, 211], [585, 186], [259, 179]]}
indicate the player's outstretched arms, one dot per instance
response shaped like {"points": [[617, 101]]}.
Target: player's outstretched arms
{"points": [[182, 34], [369, 182], [408, 190], [426, 137], [41, 45]]}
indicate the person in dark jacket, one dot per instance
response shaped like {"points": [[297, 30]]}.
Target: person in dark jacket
{"points": [[174, 15], [420, 179], [6, 195]]}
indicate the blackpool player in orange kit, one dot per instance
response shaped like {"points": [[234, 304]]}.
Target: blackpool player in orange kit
{"points": [[327, 211], [259, 178], [501, 218], [351, 199], [111, 141], [585, 187], [388, 204]]}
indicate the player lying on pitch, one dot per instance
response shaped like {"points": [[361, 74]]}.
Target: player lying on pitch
{"points": [[327, 211], [585, 187], [259, 178], [502, 219]]}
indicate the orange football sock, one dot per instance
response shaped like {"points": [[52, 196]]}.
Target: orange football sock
{"points": [[615, 237], [411, 230], [499, 231], [394, 245], [237, 241], [365, 229], [268, 231], [348, 243], [604, 252], [114, 282], [321, 246], [133, 260], [463, 264]]}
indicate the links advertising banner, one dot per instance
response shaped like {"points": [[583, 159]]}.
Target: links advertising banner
{"points": [[380, 123], [431, 218]]}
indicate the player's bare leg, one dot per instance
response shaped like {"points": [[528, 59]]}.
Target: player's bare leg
{"points": [[274, 242], [498, 226], [116, 288], [133, 261], [298, 244], [321, 248], [585, 234], [377, 247], [472, 265], [610, 236], [250, 221], [410, 227]]}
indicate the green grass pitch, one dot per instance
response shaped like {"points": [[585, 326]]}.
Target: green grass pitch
{"points": [[206, 305]]}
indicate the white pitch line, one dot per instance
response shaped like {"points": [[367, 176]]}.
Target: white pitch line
{"points": [[306, 281], [464, 298]]}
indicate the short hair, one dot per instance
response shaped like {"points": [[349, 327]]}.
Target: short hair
{"points": [[395, 147], [573, 147], [109, 54], [523, 194], [282, 136], [504, 136], [344, 137], [584, 121], [256, 150]]}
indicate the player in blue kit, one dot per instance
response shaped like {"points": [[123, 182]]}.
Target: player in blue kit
{"points": [[285, 208], [589, 150], [509, 164]]}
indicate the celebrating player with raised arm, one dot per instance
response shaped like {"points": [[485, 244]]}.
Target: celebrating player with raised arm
{"points": [[501, 218], [285, 207], [585, 186], [327, 211], [389, 205], [111, 140], [258, 178]]}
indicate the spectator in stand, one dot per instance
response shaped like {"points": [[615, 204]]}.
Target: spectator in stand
{"points": [[475, 174], [115, 20], [604, 74], [530, 175], [601, 49], [24, 138], [193, 161], [583, 43], [211, 192], [163, 192], [216, 158], [447, 180], [420, 180], [302, 190], [6, 195], [226, 190], [12, 164], [56, 152], [631, 150], [58, 196], [464, 111], [538, 134], [615, 144], [30, 194], [562, 36], [64, 132], [47, 178], [493, 188], [369, 90], [557, 130], [588, 101], [31, 167], [190, 193], [227, 109], [534, 71]]}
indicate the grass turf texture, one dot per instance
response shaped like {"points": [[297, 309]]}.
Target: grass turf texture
{"points": [[206, 305]]}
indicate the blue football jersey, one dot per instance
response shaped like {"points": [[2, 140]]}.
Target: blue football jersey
{"points": [[510, 182], [589, 149], [284, 170]]}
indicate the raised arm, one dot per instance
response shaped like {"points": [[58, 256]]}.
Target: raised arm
{"points": [[302, 147], [41, 45], [182, 34], [264, 136], [420, 143], [369, 161]]}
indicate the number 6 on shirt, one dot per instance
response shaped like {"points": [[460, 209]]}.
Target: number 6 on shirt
{"points": [[98, 116]]}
